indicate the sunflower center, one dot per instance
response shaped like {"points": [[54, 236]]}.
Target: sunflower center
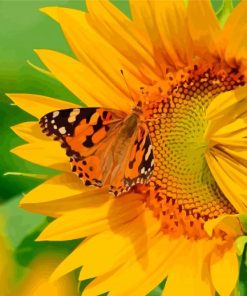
{"points": [[183, 191]]}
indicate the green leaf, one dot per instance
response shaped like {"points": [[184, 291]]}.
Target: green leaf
{"points": [[123, 5], [242, 285], [82, 285], [28, 249], [156, 292], [18, 223], [243, 220], [224, 11], [240, 244], [217, 5], [235, 2]]}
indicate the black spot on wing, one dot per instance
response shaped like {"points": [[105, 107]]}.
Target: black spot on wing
{"points": [[137, 143], [98, 125], [88, 143], [131, 163], [105, 114]]}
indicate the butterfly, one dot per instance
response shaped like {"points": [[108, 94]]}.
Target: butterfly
{"points": [[106, 147]]}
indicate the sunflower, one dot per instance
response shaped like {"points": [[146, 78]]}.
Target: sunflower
{"points": [[190, 74]]}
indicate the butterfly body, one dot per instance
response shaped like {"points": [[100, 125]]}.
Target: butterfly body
{"points": [[106, 147]]}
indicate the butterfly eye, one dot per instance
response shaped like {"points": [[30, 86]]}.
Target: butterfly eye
{"points": [[139, 104]]}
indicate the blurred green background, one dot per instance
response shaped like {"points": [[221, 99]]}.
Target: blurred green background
{"points": [[24, 28]]}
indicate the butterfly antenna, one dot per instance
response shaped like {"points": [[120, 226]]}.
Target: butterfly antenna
{"points": [[122, 72]]}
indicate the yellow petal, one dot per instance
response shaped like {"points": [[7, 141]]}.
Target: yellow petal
{"points": [[226, 117], [240, 154], [140, 276], [230, 224], [143, 17], [129, 244], [190, 273], [58, 207], [204, 28], [237, 140], [230, 129], [224, 101], [224, 271], [44, 153], [79, 79], [58, 187], [38, 105], [234, 169], [165, 23], [118, 245], [232, 190], [88, 221], [142, 13], [171, 22], [123, 35], [235, 34], [30, 132], [92, 50]]}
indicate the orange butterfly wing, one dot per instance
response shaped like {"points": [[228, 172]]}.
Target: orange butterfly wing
{"points": [[86, 134], [105, 146], [138, 164]]}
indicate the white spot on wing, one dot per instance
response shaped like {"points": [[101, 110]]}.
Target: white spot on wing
{"points": [[73, 115], [143, 170], [148, 152], [55, 114], [62, 130]]}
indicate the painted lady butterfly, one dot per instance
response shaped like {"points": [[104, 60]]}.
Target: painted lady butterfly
{"points": [[105, 146]]}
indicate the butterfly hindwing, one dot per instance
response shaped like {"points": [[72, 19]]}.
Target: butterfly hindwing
{"points": [[139, 163]]}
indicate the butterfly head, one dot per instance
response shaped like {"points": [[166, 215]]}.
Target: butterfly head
{"points": [[138, 108]]}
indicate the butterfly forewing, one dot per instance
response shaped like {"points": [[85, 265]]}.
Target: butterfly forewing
{"points": [[80, 129], [95, 169], [86, 134]]}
